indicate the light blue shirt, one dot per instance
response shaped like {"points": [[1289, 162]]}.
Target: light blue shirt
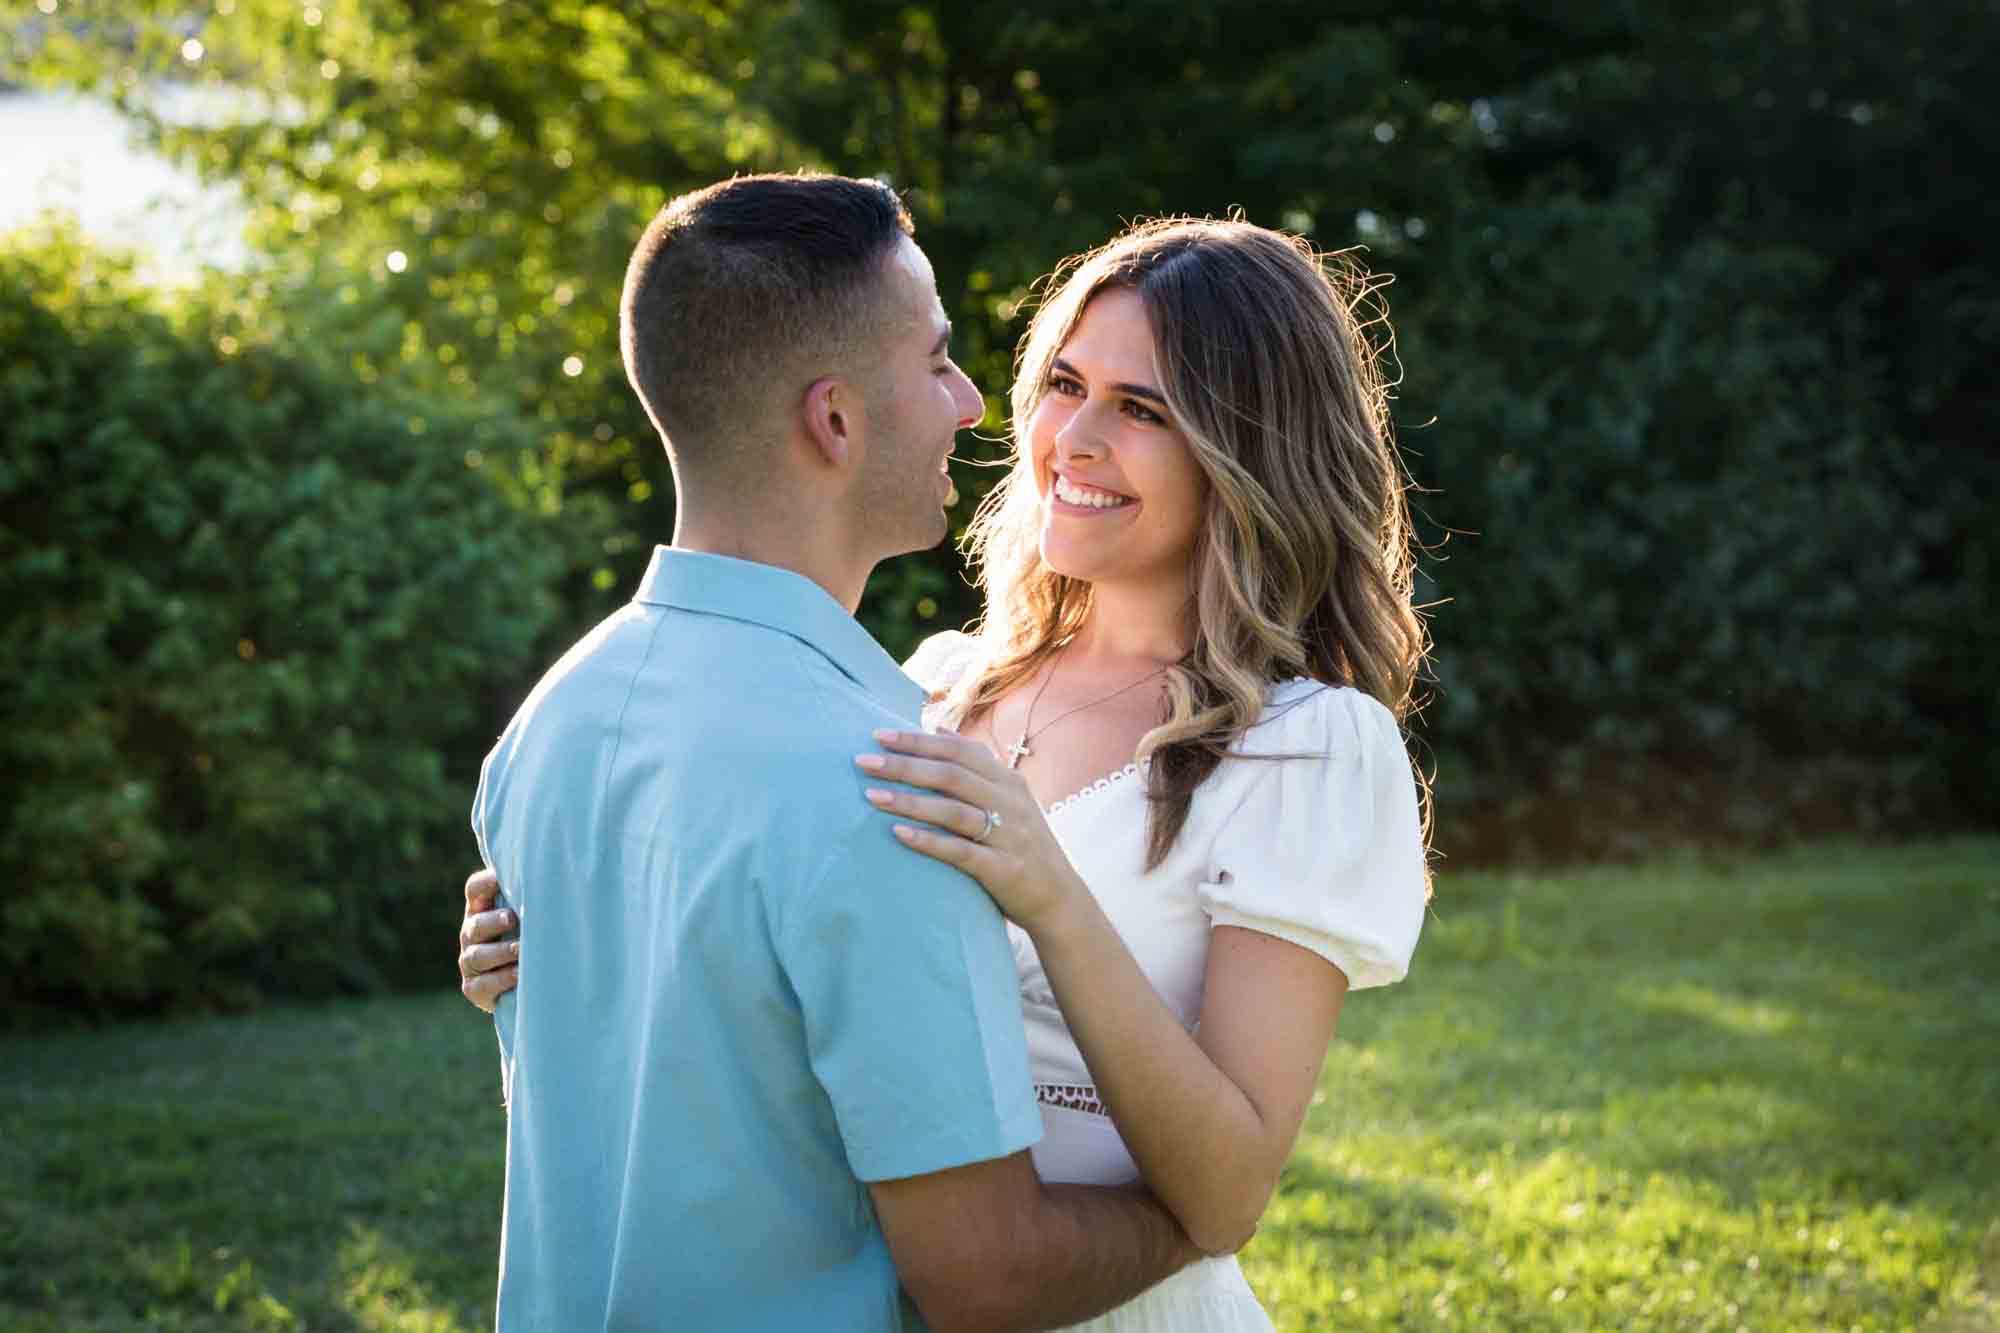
{"points": [[740, 997]]}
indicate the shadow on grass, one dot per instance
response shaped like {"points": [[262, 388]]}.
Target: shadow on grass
{"points": [[333, 1168]]}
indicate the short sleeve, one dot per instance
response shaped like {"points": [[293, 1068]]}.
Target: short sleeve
{"points": [[912, 1010], [941, 660], [1326, 849]]}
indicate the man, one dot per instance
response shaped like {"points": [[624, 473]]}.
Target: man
{"points": [[766, 1070]]}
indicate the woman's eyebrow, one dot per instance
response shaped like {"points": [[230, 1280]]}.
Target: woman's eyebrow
{"points": [[1135, 390]]}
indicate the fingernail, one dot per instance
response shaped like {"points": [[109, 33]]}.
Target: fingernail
{"points": [[885, 735], [516, 948], [871, 762], [877, 795], [905, 832]]}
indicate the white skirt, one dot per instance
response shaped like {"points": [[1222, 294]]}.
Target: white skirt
{"points": [[1208, 1296]]}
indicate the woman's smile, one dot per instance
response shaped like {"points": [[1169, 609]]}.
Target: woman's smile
{"points": [[1079, 497]]}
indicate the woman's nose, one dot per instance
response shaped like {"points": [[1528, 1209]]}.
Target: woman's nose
{"points": [[1079, 436]]}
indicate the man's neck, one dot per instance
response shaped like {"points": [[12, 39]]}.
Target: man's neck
{"points": [[777, 538]]}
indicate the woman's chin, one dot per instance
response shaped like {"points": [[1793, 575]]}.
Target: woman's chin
{"points": [[1063, 557]]}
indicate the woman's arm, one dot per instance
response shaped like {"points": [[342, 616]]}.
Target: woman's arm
{"points": [[1209, 1119], [488, 966]]}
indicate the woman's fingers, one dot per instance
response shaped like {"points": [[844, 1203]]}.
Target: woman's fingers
{"points": [[969, 856], [482, 890], [939, 775], [944, 745], [488, 966], [960, 817], [479, 927], [1017, 862], [475, 959], [486, 989]]}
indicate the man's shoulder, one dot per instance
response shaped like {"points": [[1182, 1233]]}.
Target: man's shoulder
{"points": [[724, 668], [812, 736], [773, 722], [845, 706], [610, 651], [764, 718]]}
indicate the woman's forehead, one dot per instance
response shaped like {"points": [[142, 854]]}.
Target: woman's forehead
{"points": [[1113, 337]]}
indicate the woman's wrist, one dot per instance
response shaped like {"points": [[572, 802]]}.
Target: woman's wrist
{"points": [[1069, 919]]}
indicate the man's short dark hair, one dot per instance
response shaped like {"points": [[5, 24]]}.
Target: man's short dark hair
{"points": [[738, 289]]}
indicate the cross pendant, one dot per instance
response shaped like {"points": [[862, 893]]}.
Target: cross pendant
{"points": [[1016, 750]]}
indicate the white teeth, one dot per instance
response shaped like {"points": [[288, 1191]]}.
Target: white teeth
{"points": [[1089, 499]]}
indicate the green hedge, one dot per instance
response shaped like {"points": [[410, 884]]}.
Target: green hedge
{"points": [[1714, 587], [251, 616]]}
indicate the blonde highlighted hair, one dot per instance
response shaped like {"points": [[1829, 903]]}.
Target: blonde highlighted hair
{"points": [[1303, 564]]}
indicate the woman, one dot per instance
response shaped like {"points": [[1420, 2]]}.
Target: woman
{"points": [[1171, 752]]}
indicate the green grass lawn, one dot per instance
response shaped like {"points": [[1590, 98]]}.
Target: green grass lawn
{"points": [[1759, 1094]]}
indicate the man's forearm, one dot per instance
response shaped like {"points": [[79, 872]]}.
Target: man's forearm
{"points": [[1090, 1248]]}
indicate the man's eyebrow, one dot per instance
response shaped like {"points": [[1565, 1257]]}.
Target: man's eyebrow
{"points": [[943, 342], [1146, 391]]}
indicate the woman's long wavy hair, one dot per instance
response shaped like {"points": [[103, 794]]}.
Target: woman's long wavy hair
{"points": [[1303, 564]]}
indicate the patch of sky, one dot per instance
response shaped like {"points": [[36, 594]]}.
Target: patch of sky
{"points": [[76, 154]]}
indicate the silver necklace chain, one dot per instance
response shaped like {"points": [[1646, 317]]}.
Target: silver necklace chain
{"points": [[1019, 749]]}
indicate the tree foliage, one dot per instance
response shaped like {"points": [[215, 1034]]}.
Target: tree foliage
{"points": [[1695, 308], [249, 617]]}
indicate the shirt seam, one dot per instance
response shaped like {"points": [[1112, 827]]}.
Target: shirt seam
{"points": [[624, 705], [810, 891]]}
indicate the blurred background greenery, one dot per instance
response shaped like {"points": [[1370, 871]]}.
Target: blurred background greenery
{"points": [[1697, 316]]}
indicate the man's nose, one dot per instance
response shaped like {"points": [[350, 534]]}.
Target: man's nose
{"points": [[971, 404]]}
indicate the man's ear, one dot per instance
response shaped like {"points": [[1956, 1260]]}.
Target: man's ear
{"points": [[831, 410]]}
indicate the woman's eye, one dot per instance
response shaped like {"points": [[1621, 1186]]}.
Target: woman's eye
{"points": [[1139, 411], [1066, 386]]}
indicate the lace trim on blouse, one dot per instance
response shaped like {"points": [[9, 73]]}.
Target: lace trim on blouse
{"points": [[1070, 1096], [1130, 770]]}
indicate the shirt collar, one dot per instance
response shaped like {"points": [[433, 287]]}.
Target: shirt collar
{"points": [[779, 599]]}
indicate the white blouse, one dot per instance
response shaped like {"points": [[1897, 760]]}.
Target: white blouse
{"points": [[1314, 836]]}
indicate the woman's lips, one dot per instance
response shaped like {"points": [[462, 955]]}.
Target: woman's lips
{"points": [[1082, 497]]}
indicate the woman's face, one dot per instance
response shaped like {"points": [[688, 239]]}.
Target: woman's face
{"points": [[1122, 495]]}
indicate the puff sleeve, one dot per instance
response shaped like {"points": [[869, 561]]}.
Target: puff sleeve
{"points": [[1326, 849], [941, 659]]}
